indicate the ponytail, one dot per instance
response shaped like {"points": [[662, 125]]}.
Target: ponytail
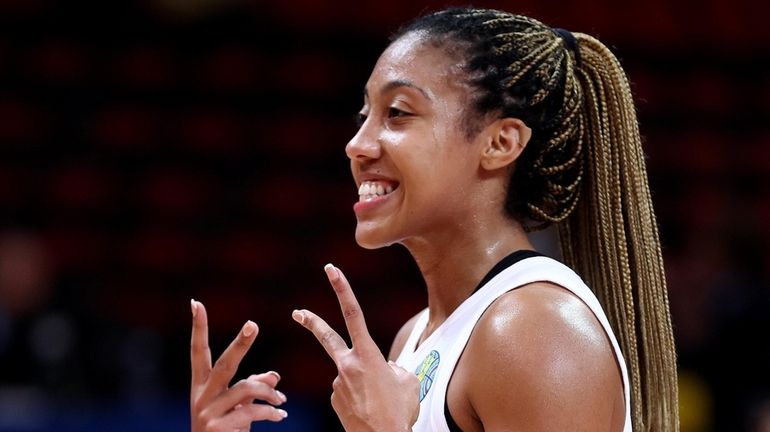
{"points": [[611, 238]]}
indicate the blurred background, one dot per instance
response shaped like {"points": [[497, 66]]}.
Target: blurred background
{"points": [[160, 150]]}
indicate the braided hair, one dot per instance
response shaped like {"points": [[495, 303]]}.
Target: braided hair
{"points": [[583, 170]]}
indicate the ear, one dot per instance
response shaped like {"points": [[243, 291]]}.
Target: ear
{"points": [[507, 138]]}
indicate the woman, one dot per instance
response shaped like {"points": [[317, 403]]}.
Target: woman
{"points": [[477, 127]]}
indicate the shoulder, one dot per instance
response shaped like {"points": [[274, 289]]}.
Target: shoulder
{"points": [[403, 334], [544, 342], [544, 317]]}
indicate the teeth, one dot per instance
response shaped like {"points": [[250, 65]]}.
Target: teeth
{"points": [[369, 190]]}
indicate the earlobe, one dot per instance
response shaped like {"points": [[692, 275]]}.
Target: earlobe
{"points": [[507, 139]]}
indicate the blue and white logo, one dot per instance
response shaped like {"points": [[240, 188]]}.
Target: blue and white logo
{"points": [[427, 371]]}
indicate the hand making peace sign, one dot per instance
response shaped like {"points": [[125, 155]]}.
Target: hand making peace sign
{"points": [[369, 394], [214, 404]]}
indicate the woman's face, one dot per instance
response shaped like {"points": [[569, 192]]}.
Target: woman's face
{"points": [[411, 160]]}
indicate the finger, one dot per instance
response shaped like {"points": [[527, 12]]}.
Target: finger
{"points": [[396, 368], [329, 339], [244, 392], [351, 311], [225, 367], [402, 373], [264, 384], [244, 416], [200, 354], [246, 401], [270, 378]]}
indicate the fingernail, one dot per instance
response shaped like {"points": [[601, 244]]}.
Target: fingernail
{"points": [[331, 272], [281, 396], [277, 376], [282, 413], [298, 316], [194, 307], [249, 328]]}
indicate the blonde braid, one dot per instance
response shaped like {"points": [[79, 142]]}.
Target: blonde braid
{"points": [[620, 251]]}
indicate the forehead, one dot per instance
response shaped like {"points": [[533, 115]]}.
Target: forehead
{"points": [[414, 60]]}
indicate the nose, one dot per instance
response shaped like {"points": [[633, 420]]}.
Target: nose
{"points": [[364, 145]]}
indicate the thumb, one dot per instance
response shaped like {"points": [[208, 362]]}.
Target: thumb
{"points": [[410, 384], [399, 371]]}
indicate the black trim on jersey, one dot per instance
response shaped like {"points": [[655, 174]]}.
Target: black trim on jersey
{"points": [[506, 262], [503, 264]]}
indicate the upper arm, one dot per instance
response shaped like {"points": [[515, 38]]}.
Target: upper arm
{"points": [[400, 340], [539, 360]]}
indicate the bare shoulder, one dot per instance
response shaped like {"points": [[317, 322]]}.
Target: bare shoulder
{"points": [[400, 340], [539, 355], [544, 318]]}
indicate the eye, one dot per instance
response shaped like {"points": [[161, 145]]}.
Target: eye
{"points": [[395, 113]]}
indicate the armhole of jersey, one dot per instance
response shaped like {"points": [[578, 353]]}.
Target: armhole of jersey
{"points": [[506, 262], [450, 421], [591, 302]]}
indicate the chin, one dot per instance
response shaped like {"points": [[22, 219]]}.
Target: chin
{"points": [[370, 238]]}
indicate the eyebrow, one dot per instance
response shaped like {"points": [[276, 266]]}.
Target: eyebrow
{"points": [[392, 85]]}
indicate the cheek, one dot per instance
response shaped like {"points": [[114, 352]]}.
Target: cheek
{"points": [[413, 151], [393, 138]]}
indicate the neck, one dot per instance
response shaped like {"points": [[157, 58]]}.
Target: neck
{"points": [[454, 261]]}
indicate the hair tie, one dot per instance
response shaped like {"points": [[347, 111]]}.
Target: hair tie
{"points": [[569, 41]]}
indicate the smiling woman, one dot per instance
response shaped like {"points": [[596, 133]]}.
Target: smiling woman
{"points": [[410, 142], [479, 126]]}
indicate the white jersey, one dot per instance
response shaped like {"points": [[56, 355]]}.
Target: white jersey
{"points": [[435, 359]]}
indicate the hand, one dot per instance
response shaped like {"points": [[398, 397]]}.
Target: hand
{"points": [[213, 405], [369, 394]]}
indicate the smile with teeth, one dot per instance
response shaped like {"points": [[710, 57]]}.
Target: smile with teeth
{"points": [[370, 190]]}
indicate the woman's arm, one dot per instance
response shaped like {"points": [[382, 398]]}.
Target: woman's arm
{"points": [[538, 360]]}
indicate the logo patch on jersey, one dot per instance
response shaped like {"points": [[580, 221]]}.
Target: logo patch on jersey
{"points": [[426, 371]]}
